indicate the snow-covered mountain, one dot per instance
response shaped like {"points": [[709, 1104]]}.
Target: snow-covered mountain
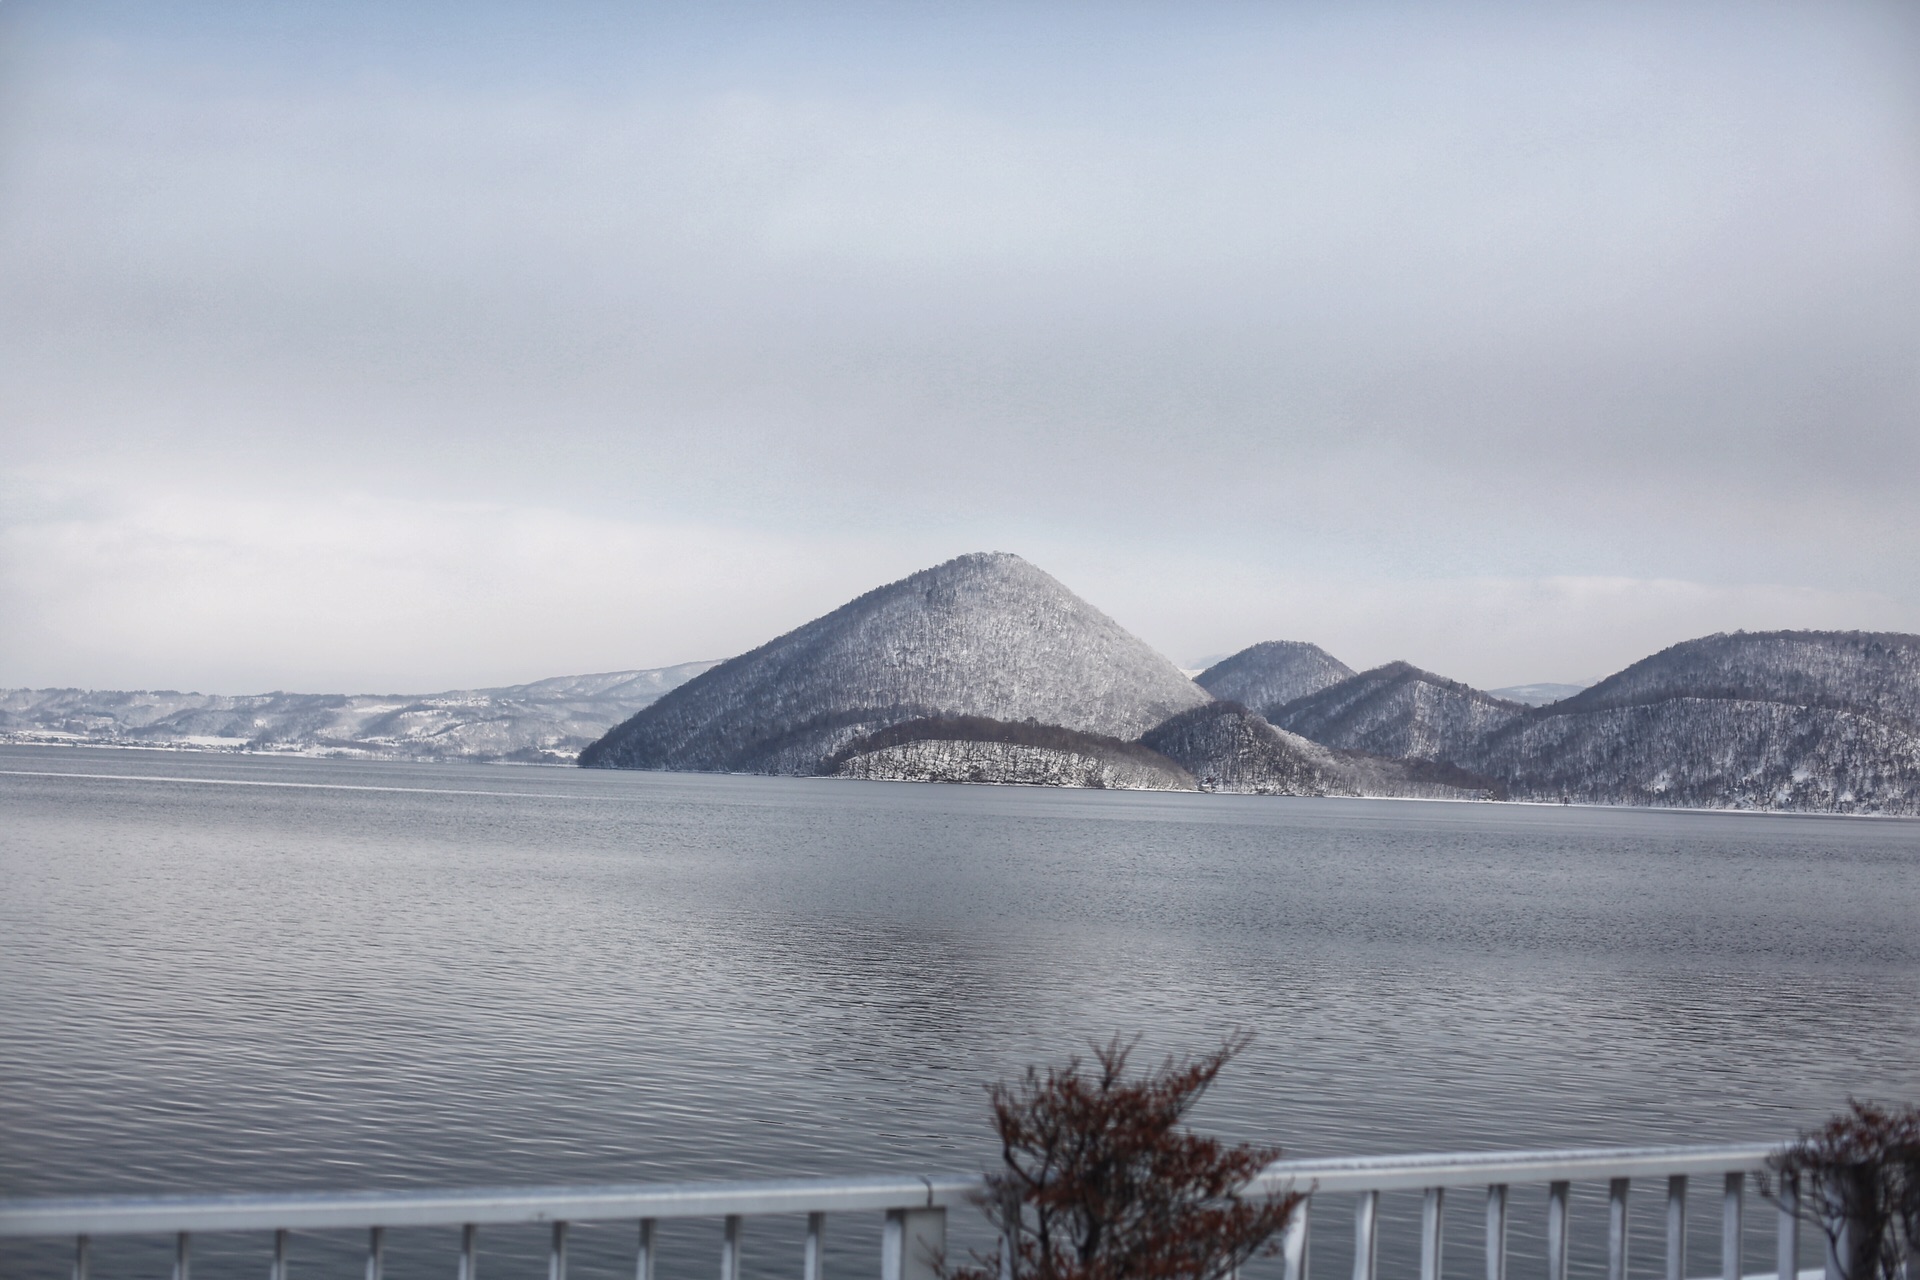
{"points": [[545, 721], [983, 635], [1714, 753], [986, 669], [1876, 673], [1230, 748], [1266, 676], [1806, 720], [1400, 712], [1537, 695]]}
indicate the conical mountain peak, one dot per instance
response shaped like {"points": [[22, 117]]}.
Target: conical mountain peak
{"points": [[1269, 675], [986, 634]]}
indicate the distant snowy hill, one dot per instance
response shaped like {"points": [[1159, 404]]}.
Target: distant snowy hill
{"points": [[1400, 712], [1806, 720], [1537, 695], [985, 635], [1267, 676], [545, 721]]}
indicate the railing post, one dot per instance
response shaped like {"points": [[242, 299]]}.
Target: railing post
{"points": [[1617, 1190], [730, 1248], [376, 1252], [557, 1256], [1557, 1230], [1732, 1218], [816, 1228], [279, 1269], [643, 1261], [82, 1257], [469, 1253], [1851, 1193], [1433, 1208], [1677, 1227], [1787, 1249], [913, 1244], [1011, 1217], [1497, 1231], [1366, 1241], [182, 1257], [1293, 1243]]}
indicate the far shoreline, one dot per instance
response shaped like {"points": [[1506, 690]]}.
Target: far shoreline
{"points": [[184, 749]]}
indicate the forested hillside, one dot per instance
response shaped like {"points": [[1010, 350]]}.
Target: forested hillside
{"points": [[1010, 764], [1874, 672], [1807, 720], [978, 749], [983, 635], [1400, 712], [1266, 676], [1714, 753], [1230, 748]]}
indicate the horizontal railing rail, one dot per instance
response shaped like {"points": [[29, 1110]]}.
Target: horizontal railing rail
{"points": [[915, 1209], [123, 1215], [1482, 1168]]}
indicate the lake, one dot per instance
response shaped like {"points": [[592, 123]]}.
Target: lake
{"points": [[241, 973]]}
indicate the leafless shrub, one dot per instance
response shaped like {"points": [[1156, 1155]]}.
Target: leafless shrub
{"points": [[1100, 1182], [1858, 1180]]}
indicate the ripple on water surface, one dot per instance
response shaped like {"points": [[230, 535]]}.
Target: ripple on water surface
{"points": [[403, 975]]}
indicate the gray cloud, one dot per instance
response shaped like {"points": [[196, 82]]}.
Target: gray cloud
{"points": [[1390, 296]]}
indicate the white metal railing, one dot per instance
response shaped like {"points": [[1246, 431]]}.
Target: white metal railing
{"points": [[1497, 1171], [914, 1235]]}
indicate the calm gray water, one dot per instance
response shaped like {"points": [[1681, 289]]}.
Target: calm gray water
{"points": [[401, 975]]}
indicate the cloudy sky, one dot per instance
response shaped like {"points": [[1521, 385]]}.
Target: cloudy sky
{"points": [[374, 347]]}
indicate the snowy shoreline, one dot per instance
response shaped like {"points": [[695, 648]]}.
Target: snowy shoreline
{"points": [[7, 740]]}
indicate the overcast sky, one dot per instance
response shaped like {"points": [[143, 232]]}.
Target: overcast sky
{"points": [[412, 347]]}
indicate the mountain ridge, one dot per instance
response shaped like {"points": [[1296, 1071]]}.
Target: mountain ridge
{"points": [[1798, 668], [1804, 720], [985, 668], [544, 721], [1398, 711]]}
